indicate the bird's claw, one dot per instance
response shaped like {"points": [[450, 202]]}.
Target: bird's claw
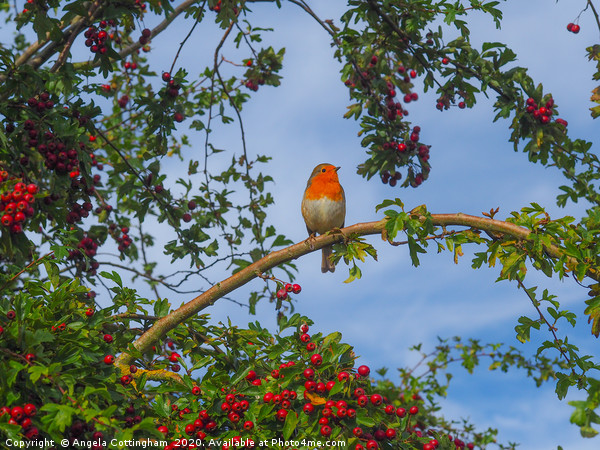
{"points": [[310, 240]]}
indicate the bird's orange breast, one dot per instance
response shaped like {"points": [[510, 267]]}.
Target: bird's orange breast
{"points": [[325, 186]]}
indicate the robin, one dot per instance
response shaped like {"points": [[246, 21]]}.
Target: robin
{"points": [[324, 206]]}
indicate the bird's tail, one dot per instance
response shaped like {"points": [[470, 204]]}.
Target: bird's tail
{"points": [[326, 264]]}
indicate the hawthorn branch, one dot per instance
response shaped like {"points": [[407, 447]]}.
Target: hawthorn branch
{"points": [[155, 31], [591, 5], [221, 289]]}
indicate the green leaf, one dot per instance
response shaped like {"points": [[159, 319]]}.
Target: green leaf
{"points": [[291, 420]]}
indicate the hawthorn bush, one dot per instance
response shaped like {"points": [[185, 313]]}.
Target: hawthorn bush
{"points": [[88, 121]]}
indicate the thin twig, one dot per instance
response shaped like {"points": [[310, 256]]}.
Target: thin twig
{"points": [[200, 15], [551, 328]]}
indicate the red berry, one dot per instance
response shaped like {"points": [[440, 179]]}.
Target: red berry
{"points": [[310, 385], [196, 390], [305, 338], [173, 357], [281, 415], [330, 384], [30, 357], [7, 220], [575, 29], [251, 375], [108, 338], [357, 431], [372, 445], [358, 392], [89, 312], [17, 413], [308, 408], [376, 399], [248, 425], [296, 288], [570, 26], [343, 376], [364, 371], [413, 410], [390, 433], [326, 430], [166, 76], [282, 294], [401, 412], [163, 429], [109, 359], [187, 217], [316, 359], [178, 117], [362, 401], [146, 33]]}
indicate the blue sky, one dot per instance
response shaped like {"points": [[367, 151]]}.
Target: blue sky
{"points": [[395, 305]]}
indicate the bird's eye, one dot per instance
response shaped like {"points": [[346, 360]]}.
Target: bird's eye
{"points": [[323, 170]]}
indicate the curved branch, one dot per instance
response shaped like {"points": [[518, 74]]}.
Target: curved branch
{"points": [[219, 290]]}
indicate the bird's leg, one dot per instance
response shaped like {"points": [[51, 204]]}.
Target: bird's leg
{"points": [[311, 238]]}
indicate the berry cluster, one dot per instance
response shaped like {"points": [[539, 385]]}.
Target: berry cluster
{"points": [[573, 28], [57, 156], [130, 65], [79, 431], [405, 150], [216, 8], [387, 177], [87, 246], [123, 240], [21, 415], [141, 5], [543, 113], [383, 91], [41, 103], [97, 38], [282, 293], [78, 212], [172, 89], [16, 205], [145, 37]]}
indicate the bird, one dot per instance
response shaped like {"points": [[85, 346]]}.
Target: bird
{"points": [[324, 207]]}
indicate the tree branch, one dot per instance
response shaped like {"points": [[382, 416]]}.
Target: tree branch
{"points": [[219, 290]]}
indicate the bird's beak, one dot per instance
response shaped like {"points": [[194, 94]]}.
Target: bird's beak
{"points": [[338, 168]]}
